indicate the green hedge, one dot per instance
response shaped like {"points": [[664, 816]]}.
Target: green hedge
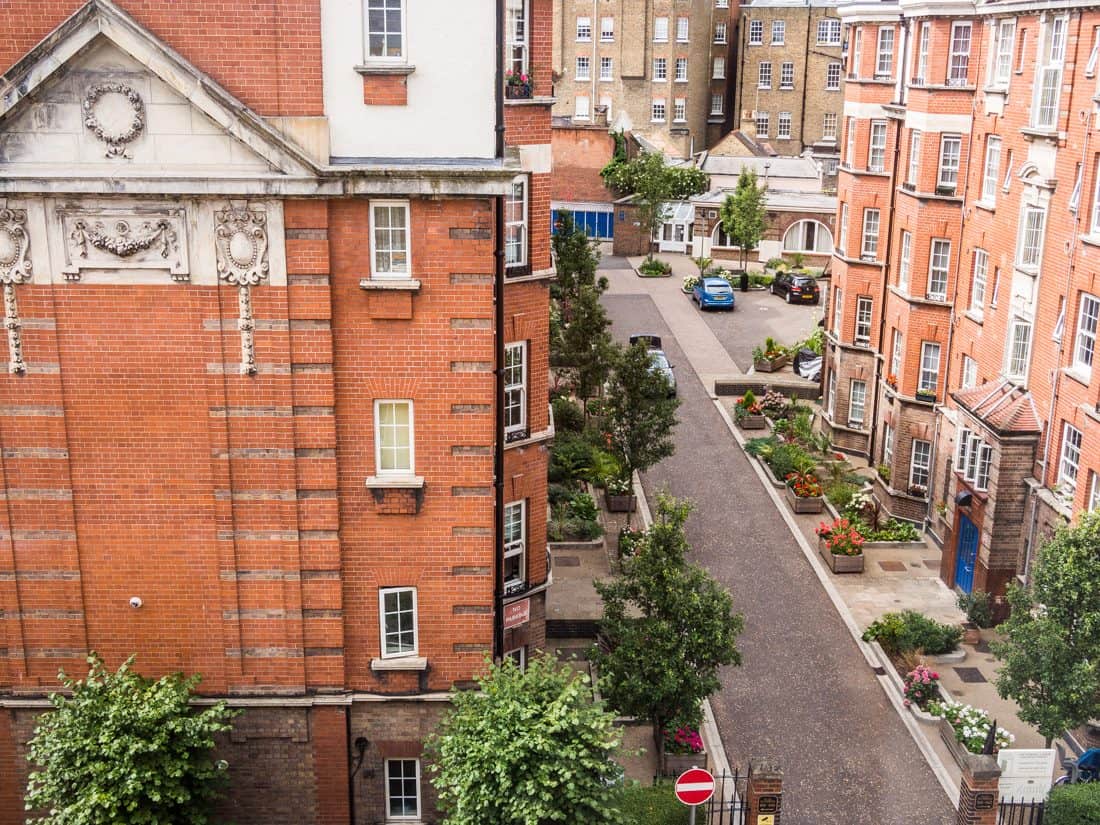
{"points": [[651, 805], [909, 630], [1073, 805]]}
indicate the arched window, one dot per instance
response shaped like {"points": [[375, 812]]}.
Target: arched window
{"points": [[720, 240], [808, 236]]}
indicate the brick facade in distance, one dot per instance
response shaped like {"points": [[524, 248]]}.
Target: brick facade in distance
{"points": [[984, 250], [245, 510]]}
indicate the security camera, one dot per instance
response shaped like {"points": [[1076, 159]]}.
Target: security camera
{"points": [[135, 602]]}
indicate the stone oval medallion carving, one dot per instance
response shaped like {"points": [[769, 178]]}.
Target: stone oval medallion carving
{"points": [[240, 239], [115, 113], [15, 268], [243, 249]]}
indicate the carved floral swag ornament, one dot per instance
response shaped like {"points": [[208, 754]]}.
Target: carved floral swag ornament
{"points": [[240, 238], [15, 268]]}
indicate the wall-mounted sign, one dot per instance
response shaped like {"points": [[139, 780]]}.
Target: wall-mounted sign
{"points": [[1026, 773], [517, 613]]}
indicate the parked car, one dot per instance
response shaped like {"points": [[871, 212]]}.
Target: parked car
{"points": [[713, 292], [660, 364], [796, 288]]}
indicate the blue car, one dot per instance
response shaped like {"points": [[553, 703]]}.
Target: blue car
{"points": [[713, 293]]}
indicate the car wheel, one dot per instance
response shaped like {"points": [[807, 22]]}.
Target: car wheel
{"points": [[787, 297], [771, 288]]}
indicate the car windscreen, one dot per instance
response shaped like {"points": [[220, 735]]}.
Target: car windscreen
{"points": [[719, 289], [659, 360], [804, 282]]}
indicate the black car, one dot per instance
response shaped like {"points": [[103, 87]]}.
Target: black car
{"points": [[796, 288], [660, 364]]}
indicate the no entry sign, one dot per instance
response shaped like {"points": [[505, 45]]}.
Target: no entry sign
{"points": [[695, 786]]}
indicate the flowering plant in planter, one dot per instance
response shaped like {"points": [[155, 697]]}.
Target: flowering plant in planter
{"points": [[921, 686], [514, 78], [971, 725], [683, 740], [690, 282], [747, 405], [842, 537], [804, 484], [892, 380]]}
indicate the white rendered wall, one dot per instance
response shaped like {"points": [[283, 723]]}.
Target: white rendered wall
{"points": [[451, 111]]}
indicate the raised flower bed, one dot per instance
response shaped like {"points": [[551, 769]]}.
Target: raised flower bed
{"points": [[770, 357], [964, 729], [684, 749], [748, 413], [804, 492], [619, 496], [840, 546]]}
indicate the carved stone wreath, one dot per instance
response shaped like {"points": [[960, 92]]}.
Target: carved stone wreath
{"points": [[15, 268], [116, 140]]}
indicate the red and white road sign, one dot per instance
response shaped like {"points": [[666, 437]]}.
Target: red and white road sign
{"points": [[695, 786]]}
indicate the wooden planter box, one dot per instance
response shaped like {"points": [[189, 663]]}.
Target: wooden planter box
{"points": [[839, 564], [806, 504], [752, 422], [972, 634], [771, 364], [620, 503], [677, 763]]}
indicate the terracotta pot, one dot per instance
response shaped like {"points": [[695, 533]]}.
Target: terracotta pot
{"points": [[838, 563], [804, 504]]}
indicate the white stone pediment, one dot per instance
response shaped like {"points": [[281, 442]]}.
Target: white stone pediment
{"points": [[102, 105]]}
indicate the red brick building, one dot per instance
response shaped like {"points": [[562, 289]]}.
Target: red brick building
{"points": [[962, 341], [276, 406]]}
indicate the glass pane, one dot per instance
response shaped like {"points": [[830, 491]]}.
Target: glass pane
{"points": [[377, 45], [376, 20]]}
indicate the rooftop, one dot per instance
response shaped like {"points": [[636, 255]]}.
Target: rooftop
{"points": [[1001, 405]]}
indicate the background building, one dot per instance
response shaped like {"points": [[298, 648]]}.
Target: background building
{"points": [[655, 67], [789, 83], [962, 333], [269, 375]]}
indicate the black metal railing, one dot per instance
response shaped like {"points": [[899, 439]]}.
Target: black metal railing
{"points": [[1011, 812]]}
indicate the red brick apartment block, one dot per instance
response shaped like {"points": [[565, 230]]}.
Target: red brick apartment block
{"points": [[963, 322], [253, 381]]}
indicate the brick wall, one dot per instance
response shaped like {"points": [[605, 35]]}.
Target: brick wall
{"points": [[273, 65], [579, 155]]}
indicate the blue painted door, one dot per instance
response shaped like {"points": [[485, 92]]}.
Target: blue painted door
{"points": [[966, 554]]}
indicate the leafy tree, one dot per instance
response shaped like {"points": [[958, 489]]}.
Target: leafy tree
{"points": [[587, 350], [529, 748], [576, 260], [743, 216], [669, 628], [640, 413], [1050, 656], [653, 183], [124, 750]]}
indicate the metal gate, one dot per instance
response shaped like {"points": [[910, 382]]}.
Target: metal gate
{"points": [[727, 806], [1020, 813]]}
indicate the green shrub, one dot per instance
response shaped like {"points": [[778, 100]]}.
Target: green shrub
{"points": [[1073, 805], [978, 607], [894, 530], [910, 630], [630, 541], [761, 446], [570, 458], [840, 493], [568, 415], [654, 268], [558, 494], [583, 507], [651, 805], [789, 458]]}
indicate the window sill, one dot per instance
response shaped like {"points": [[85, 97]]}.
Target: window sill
{"points": [[975, 317], [395, 284], [986, 205], [1091, 240], [534, 100], [1077, 375], [1041, 132], [385, 69], [400, 663], [716, 118], [395, 482]]}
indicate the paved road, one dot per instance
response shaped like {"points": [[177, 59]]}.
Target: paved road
{"points": [[805, 694]]}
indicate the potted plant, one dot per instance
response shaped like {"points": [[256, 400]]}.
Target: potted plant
{"points": [[804, 492], [748, 413], [840, 544], [618, 491], [922, 685], [892, 381], [684, 749], [978, 607], [517, 85], [918, 490], [770, 357], [883, 471], [689, 283], [926, 396]]}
